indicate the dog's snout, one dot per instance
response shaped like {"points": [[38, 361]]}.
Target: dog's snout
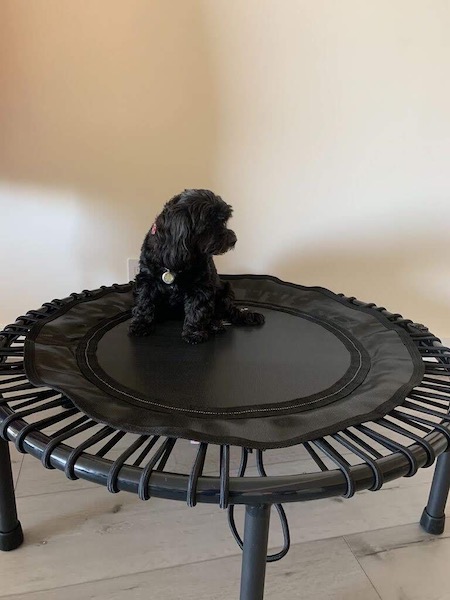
{"points": [[232, 239]]}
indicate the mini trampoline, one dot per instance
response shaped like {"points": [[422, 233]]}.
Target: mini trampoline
{"points": [[363, 391]]}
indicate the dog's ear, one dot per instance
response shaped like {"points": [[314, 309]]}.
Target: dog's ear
{"points": [[174, 231]]}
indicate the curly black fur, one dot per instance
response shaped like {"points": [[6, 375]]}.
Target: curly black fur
{"points": [[191, 229]]}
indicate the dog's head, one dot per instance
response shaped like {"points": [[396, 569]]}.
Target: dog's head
{"points": [[192, 224]]}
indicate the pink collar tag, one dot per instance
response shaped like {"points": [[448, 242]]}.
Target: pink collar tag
{"points": [[153, 229]]}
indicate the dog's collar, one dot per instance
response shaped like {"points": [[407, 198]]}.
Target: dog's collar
{"points": [[168, 276]]}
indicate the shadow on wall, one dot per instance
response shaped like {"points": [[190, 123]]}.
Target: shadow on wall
{"points": [[108, 102], [405, 275]]}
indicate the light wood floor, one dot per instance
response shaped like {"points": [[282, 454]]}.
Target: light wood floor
{"points": [[84, 543]]}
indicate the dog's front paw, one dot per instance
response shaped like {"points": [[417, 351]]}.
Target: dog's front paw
{"points": [[140, 328], [257, 318], [195, 337], [248, 317]]}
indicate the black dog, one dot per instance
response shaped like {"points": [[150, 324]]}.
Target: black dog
{"points": [[177, 272]]}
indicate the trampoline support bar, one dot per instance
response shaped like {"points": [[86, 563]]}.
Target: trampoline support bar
{"points": [[433, 516], [11, 535], [256, 535]]}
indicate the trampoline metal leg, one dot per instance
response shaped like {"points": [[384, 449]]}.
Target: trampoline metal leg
{"points": [[256, 535], [11, 535], [433, 516]]}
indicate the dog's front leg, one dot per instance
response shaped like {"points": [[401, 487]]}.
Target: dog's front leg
{"points": [[143, 312], [199, 313]]}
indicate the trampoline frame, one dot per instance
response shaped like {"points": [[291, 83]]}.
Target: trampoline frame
{"points": [[423, 419]]}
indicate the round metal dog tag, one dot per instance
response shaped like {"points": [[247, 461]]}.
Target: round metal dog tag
{"points": [[168, 277]]}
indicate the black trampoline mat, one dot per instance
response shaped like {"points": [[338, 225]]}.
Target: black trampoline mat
{"points": [[245, 370], [318, 364]]}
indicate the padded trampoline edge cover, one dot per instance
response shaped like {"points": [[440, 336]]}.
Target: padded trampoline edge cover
{"points": [[318, 365]]}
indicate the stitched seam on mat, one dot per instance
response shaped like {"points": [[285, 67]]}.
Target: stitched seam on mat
{"points": [[206, 412]]}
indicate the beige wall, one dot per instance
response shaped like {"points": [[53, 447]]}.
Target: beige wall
{"points": [[325, 123]]}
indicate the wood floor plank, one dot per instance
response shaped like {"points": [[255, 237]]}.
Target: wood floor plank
{"points": [[404, 562], [324, 570]]}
